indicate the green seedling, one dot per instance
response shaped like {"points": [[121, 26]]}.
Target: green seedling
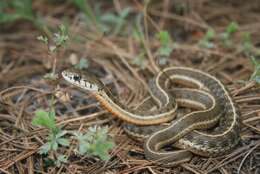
{"points": [[226, 36], [103, 22], [58, 39], [247, 43], [95, 142], [61, 159], [22, 10], [54, 44], [83, 64], [206, 41], [166, 47], [92, 19], [56, 135], [140, 60], [13, 10], [116, 20], [256, 74]]}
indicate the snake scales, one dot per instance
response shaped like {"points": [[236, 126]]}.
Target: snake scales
{"points": [[211, 130]]}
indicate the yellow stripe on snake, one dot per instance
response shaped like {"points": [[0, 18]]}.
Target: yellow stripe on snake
{"points": [[211, 130]]}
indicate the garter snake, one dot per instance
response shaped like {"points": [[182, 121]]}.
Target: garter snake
{"points": [[211, 130]]}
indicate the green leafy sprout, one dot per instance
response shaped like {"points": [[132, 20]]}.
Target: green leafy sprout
{"points": [[61, 159], [22, 10], [166, 47], [103, 22], [56, 135], [13, 10], [247, 43], [166, 43], [140, 60], [91, 18], [226, 36], [83, 64], [256, 74], [59, 40], [116, 20], [95, 142], [231, 28], [206, 41]]}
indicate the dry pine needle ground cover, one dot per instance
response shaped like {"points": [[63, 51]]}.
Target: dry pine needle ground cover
{"points": [[125, 62]]}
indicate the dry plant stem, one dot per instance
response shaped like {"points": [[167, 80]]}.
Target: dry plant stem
{"points": [[166, 5], [21, 72], [117, 6], [126, 63], [120, 74], [54, 65], [234, 156], [253, 119], [21, 156], [118, 149], [4, 171], [157, 28], [186, 166], [68, 153], [243, 160], [171, 16], [146, 39], [3, 95], [88, 117], [244, 89], [20, 114]]}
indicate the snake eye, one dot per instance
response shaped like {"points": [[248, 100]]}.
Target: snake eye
{"points": [[76, 77]]}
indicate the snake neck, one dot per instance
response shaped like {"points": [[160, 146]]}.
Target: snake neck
{"points": [[129, 115]]}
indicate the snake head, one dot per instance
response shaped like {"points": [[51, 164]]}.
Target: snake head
{"points": [[82, 80]]}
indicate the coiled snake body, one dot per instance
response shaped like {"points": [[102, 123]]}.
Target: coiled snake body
{"points": [[211, 130]]}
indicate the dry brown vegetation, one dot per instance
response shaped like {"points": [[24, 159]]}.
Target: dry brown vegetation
{"points": [[25, 60]]}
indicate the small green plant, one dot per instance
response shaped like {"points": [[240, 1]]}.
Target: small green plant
{"points": [[61, 159], [94, 143], [226, 36], [138, 33], [103, 22], [90, 16], [13, 10], [247, 43], [140, 60], [115, 20], [256, 74], [22, 10], [206, 41], [83, 64], [231, 28], [166, 47], [57, 41], [56, 135]]}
